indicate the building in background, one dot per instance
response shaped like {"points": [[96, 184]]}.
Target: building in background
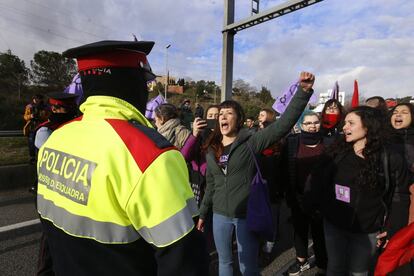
{"points": [[173, 87], [324, 97]]}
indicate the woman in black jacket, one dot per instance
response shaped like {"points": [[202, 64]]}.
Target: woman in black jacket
{"points": [[402, 141], [355, 194]]}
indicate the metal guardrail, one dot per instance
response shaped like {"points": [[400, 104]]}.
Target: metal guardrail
{"points": [[11, 133]]}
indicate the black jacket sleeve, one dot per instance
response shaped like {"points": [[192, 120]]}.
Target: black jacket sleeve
{"points": [[187, 256], [400, 203]]}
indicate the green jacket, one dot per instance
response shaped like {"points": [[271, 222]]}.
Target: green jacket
{"points": [[227, 194]]}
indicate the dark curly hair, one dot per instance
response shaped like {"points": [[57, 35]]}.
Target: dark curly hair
{"points": [[373, 122], [214, 140]]}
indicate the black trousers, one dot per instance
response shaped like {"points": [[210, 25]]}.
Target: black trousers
{"points": [[301, 224], [44, 264]]}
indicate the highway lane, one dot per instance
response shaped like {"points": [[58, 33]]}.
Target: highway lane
{"points": [[16, 206], [19, 243], [18, 255], [19, 247]]}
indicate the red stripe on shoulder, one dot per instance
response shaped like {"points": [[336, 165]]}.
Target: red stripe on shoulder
{"points": [[144, 146]]}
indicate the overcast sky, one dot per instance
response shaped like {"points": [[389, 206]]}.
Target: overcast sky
{"points": [[371, 41]]}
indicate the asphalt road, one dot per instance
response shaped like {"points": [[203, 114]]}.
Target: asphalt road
{"points": [[18, 255], [19, 244]]}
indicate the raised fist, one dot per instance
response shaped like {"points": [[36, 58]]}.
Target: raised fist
{"points": [[306, 81]]}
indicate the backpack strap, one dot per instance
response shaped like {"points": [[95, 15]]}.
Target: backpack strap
{"points": [[255, 160]]}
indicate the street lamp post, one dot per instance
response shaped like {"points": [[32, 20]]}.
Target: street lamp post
{"points": [[166, 70]]}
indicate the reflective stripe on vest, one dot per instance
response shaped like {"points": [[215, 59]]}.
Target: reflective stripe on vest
{"points": [[173, 228], [84, 227], [163, 234]]}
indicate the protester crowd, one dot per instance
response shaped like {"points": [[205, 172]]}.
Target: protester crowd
{"points": [[196, 183]]}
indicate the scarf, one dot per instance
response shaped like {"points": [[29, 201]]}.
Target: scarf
{"points": [[330, 120], [310, 138], [175, 132]]}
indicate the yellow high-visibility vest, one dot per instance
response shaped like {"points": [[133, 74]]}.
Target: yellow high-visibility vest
{"points": [[109, 176]]}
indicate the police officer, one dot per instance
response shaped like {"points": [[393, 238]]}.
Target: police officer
{"points": [[113, 194], [64, 109]]}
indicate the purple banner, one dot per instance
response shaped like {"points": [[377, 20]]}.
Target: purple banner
{"points": [[75, 88], [152, 105], [313, 99], [283, 101]]}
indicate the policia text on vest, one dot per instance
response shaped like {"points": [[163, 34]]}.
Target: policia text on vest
{"points": [[66, 174]]}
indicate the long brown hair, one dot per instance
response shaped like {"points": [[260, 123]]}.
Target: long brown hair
{"points": [[376, 136], [214, 140], [271, 114]]}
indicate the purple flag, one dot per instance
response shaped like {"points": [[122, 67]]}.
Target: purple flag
{"points": [[283, 101], [152, 105], [313, 99], [335, 91], [75, 88]]}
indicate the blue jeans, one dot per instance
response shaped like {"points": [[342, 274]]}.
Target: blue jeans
{"points": [[349, 254], [247, 245]]}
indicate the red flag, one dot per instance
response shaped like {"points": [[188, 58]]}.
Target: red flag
{"points": [[355, 96]]}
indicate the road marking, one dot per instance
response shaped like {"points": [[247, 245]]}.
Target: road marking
{"points": [[19, 225]]}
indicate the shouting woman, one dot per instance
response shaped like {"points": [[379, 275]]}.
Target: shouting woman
{"points": [[230, 169]]}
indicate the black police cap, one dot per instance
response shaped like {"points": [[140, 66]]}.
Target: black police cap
{"points": [[107, 46], [62, 99]]}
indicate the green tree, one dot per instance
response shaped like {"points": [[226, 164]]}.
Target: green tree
{"points": [[240, 87], [181, 82], [159, 88], [265, 96], [211, 87], [201, 86], [13, 73], [251, 107], [52, 69]]}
